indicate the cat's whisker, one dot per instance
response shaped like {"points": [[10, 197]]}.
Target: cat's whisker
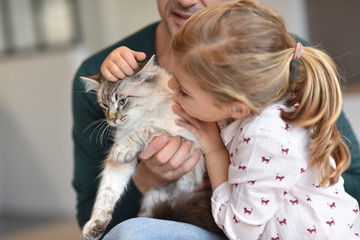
{"points": [[102, 131], [99, 130], [101, 134], [101, 137], [95, 122], [106, 134]]}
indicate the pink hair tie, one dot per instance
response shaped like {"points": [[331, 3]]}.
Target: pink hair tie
{"points": [[298, 51]]}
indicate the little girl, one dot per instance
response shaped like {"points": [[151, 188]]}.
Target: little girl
{"points": [[235, 64], [275, 167]]}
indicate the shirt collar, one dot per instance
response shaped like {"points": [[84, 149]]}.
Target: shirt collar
{"points": [[228, 131]]}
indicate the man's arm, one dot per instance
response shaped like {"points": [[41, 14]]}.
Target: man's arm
{"points": [[352, 174]]}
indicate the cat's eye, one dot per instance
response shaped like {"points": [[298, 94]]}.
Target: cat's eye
{"points": [[122, 101]]}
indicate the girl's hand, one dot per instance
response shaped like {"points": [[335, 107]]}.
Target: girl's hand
{"points": [[120, 63], [207, 133], [216, 156]]}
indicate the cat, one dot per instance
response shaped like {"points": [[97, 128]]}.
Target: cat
{"points": [[140, 109]]}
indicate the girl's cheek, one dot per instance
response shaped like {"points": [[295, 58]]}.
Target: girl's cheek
{"points": [[187, 109]]}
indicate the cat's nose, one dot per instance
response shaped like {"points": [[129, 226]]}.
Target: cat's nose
{"points": [[113, 120]]}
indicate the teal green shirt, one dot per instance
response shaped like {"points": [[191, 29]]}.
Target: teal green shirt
{"points": [[90, 151]]}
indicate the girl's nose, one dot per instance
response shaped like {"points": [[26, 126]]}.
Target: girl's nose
{"points": [[172, 85]]}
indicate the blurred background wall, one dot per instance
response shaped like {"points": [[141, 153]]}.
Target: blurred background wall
{"points": [[42, 42]]}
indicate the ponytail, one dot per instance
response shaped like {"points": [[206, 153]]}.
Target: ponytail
{"points": [[318, 100]]}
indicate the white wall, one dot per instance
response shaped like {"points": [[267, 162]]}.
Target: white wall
{"points": [[294, 14], [107, 21], [2, 39], [22, 26], [35, 143], [35, 114]]}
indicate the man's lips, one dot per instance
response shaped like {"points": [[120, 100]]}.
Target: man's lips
{"points": [[181, 17]]}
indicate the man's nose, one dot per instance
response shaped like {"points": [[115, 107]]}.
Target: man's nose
{"points": [[188, 3]]}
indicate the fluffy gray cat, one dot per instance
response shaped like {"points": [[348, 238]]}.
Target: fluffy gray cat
{"points": [[140, 108]]}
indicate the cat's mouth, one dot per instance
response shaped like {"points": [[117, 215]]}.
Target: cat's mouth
{"points": [[111, 123], [114, 122]]}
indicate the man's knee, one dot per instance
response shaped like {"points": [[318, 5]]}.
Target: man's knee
{"points": [[134, 228]]}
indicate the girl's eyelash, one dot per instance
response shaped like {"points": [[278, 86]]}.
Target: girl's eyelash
{"points": [[182, 93]]}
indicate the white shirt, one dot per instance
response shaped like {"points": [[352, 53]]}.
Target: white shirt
{"points": [[271, 192]]}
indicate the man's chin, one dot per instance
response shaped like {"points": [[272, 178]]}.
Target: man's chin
{"points": [[173, 28]]}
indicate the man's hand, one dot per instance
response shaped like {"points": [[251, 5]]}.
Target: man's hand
{"points": [[120, 63], [164, 161]]}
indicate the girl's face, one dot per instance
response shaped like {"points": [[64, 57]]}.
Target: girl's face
{"points": [[195, 101]]}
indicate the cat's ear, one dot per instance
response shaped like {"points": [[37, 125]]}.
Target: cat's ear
{"points": [[92, 82], [147, 70]]}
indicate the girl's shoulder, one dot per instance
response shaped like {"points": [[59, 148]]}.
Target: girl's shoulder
{"points": [[270, 124]]}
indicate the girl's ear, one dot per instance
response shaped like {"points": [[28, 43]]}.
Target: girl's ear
{"points": [[239, 110]]}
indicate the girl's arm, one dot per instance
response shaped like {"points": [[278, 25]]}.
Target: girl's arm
{"points": [[217, 165], [215, 153]]}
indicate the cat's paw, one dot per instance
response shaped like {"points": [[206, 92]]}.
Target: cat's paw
{"points": [[94, 228], [123, 154]]}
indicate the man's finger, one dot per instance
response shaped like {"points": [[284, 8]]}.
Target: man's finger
{"points": [[179, 156], [163, 156], [189, 163], [156, 145]]}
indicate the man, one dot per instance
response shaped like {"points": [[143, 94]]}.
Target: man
{"points": [[163, 160]]}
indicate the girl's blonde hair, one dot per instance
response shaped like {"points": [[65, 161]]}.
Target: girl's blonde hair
{"points": [[241, 51]]}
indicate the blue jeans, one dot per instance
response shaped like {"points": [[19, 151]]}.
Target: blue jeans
{"points": [[151, 228]]}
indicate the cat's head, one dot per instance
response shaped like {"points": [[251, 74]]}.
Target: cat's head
{"points": [[126, 99]]}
